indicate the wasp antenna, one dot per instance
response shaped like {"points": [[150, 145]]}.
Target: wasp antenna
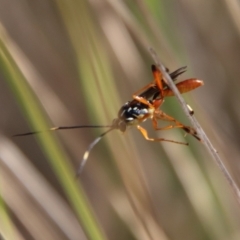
{"points": [[62, 128], [79, 126], [90, 147], [26, 134]]}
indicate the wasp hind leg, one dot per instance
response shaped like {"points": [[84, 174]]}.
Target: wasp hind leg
{"points": [[160, 115]]}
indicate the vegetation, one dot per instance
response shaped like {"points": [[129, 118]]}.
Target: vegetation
{"points": [[77, 62]]}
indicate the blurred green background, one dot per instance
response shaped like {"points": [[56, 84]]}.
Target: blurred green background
{"points": [[68, 63]]}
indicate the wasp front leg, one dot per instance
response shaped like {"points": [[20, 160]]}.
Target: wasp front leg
{"points": [[145, 135]]}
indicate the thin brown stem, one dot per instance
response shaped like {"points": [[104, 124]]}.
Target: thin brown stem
{"points": [[197, 126]]}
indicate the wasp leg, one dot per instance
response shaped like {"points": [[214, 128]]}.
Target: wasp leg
{"points": [[157, 75], [156, 104], [144, 88], [160, 115], [145, 134], [143, 100], [158, 79], [156, 82]]}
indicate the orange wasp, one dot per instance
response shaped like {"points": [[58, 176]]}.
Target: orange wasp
{"points": [[146, 104]]}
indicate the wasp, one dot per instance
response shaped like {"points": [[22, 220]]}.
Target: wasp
{"points": [[145, 104]]}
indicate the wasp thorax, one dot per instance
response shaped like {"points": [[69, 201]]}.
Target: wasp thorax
{"points": [[132, 113]]}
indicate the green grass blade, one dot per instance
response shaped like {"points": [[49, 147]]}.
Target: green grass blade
{"points": [[50, 146]]}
